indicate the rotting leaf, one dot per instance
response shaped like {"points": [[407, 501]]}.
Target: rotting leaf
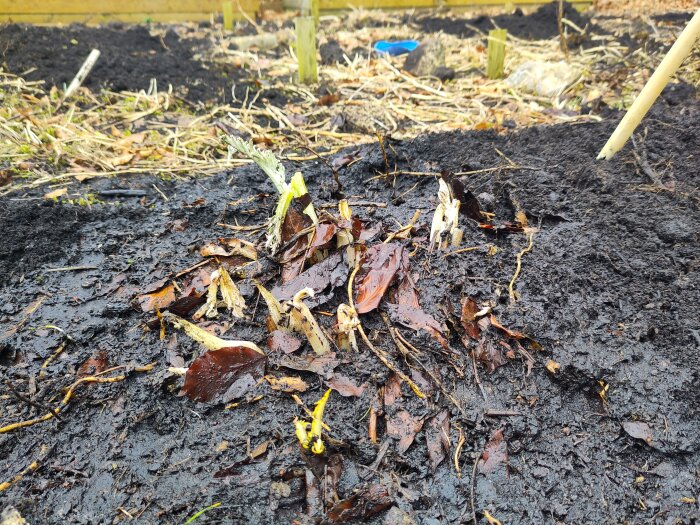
{"points": [[417, 319], [160, 298], [490, 354], [379, 265], [495, 455], [404, 427], [468, 318], [282, 341], [322, 277], [468, 203], [96, 364], [392, 390], [437, 435], [224, 374], [514, 334], [287, 384], [346, 387], [323, 236], [321, 365], [638, 430], [362, 505]]}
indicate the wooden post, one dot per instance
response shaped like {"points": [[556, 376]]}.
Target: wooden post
{"points": [[227, 7], [496, 53], [306, 49]]}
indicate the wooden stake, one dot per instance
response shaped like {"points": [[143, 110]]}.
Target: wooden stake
{"points": [[82, 73], [306, 49], [653, 88], [496, 53], [227, 8]]}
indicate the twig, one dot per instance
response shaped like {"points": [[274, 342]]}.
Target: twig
{"points": [[381, 355], [69, 394], [34, 465], [518, 266], [30, 402]]}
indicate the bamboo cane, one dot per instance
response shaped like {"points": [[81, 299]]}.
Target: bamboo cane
{"points": [[650, 92]]}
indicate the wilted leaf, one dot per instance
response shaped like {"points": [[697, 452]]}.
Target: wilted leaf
{"points": [[322, 277], [379, 265], [468, 318], [160, 298], [94, 365], [282, 341], [403, 426], [260, 449], [323, 235], [224, 374], [638, 430], [495, 455], [346, 387], [287, 384], [417, 319], [437, 435], [362, 505]]}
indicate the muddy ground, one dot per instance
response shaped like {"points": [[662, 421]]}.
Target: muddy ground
{"points": [[610, 290]]}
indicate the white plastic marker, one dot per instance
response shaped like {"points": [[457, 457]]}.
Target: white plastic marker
{"points": [[82, 73], [669, 65]]}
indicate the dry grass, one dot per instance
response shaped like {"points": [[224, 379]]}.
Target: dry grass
{"points": [[106, 133]]}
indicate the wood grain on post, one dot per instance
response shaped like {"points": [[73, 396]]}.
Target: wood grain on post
{"points": [[306, 49], [227, 7], [496, 53]]}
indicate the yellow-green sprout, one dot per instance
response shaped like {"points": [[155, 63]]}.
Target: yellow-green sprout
{"points": [[312, 438], [274, 169]]}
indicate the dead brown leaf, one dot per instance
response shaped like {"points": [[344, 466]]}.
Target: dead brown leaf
{"points": [[437, 435], [160, 298], [224, 374], [495, 455], [404, 427], [362, 505], [379, 265], [638, 430], [97, 363], [283, 341], [468, 318], [346, 387]]}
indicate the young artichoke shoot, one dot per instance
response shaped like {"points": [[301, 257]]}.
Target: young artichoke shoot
{"points": [[274, 169], [347, 323], [309, 434], [277, 312], [344, 236], [446, 217], [266, 160], [301, 320], [232, 299]]}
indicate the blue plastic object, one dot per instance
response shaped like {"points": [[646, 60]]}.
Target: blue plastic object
{"points": [[399, 47]]}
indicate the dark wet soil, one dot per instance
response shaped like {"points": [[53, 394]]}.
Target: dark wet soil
{"points": [[130, 57], [610, 290], [538, 25]]}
